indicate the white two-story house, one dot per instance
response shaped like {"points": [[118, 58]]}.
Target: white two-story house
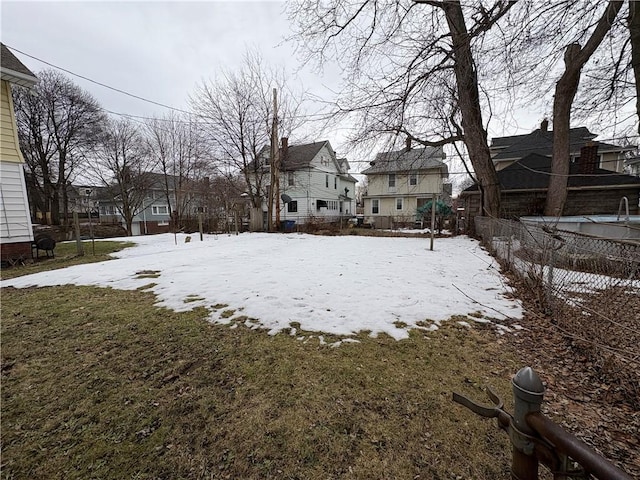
{"points": [[399, 182], [317, 182]]}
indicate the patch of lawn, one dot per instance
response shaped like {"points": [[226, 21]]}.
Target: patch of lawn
{"points": [[148, 274], [66, 255], [124, 389]]}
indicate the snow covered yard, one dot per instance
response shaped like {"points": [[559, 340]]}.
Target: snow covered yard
{"points": [[337, 285]]}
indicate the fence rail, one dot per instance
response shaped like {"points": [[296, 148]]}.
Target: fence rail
{"points": [[536, 439]]}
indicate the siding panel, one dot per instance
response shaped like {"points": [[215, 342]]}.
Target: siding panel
{"points": [[9, 151], [15, 221]]}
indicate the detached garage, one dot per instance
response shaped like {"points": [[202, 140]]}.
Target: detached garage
{"points": [[16, 234]]}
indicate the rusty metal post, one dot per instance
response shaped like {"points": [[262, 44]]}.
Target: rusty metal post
{"points": [[528, 393]]}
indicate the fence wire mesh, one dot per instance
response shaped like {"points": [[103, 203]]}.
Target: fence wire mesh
{"points": [[590, 286]]}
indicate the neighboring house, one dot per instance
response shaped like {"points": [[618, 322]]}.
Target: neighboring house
{"points": [[400, 182], [83, 199], [154, 213], [16, 234], [507, 150], [591, 190], [632, 166], [317, 182]]}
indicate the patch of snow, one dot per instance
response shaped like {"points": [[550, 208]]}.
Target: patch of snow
{"points": [[338, 285]]}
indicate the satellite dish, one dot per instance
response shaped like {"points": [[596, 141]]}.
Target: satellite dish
{"points": [[285, 198]]}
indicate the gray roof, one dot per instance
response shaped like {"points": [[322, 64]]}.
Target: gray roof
{"points": [[532, 173], [13, 70], [541, 142], [300, 156], [407, 161]]}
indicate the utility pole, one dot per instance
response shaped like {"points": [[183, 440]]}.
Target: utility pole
{"points": [[274, 190]]}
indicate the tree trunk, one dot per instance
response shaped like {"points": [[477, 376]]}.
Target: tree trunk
{"points": [[634, 31], [566, 89], [54, 206], [475, 136]]}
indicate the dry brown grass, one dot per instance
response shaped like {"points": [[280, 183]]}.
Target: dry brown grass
{"points": [[66, 255], [98, 383]]}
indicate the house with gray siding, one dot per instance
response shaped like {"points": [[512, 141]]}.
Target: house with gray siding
{"points": [[153, 208]]}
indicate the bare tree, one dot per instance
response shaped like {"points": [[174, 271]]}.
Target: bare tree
{"points": [[123, 165], [58, 124], [411, 70], [178, 146], [634, 36], [236, 111], [566, 88]]}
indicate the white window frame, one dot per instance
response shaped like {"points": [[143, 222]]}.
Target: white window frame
{"points": [[375, 206], [399, 203], [392, 180], [290, 179], [413, 179], [155, 209]]}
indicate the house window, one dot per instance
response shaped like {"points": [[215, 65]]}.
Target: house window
{"points": [[392, 180], [399, 203], [290, 179], [413, 179], [335, 183], [163, 223], [326, 181], [292, 207], [159, 210], [375, 206], [107, 210]]}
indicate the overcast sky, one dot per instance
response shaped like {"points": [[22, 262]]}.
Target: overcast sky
{"points": [[163, 50], [157, 50]]}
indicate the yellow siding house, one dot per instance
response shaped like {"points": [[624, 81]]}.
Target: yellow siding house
{"points": [[16, 234]]}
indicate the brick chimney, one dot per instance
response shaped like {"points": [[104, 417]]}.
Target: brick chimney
{"points": [[588, 158], [544, 125], [408, 143], [284, 149]]}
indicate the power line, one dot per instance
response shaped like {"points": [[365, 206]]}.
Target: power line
{"points": [[138, 97]]}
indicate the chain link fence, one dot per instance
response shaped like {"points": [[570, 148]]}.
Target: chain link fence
{"points": [[590, 286]]}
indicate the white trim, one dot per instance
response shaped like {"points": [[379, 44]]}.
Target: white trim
{"points": [[154, 209], [377, 202]]}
